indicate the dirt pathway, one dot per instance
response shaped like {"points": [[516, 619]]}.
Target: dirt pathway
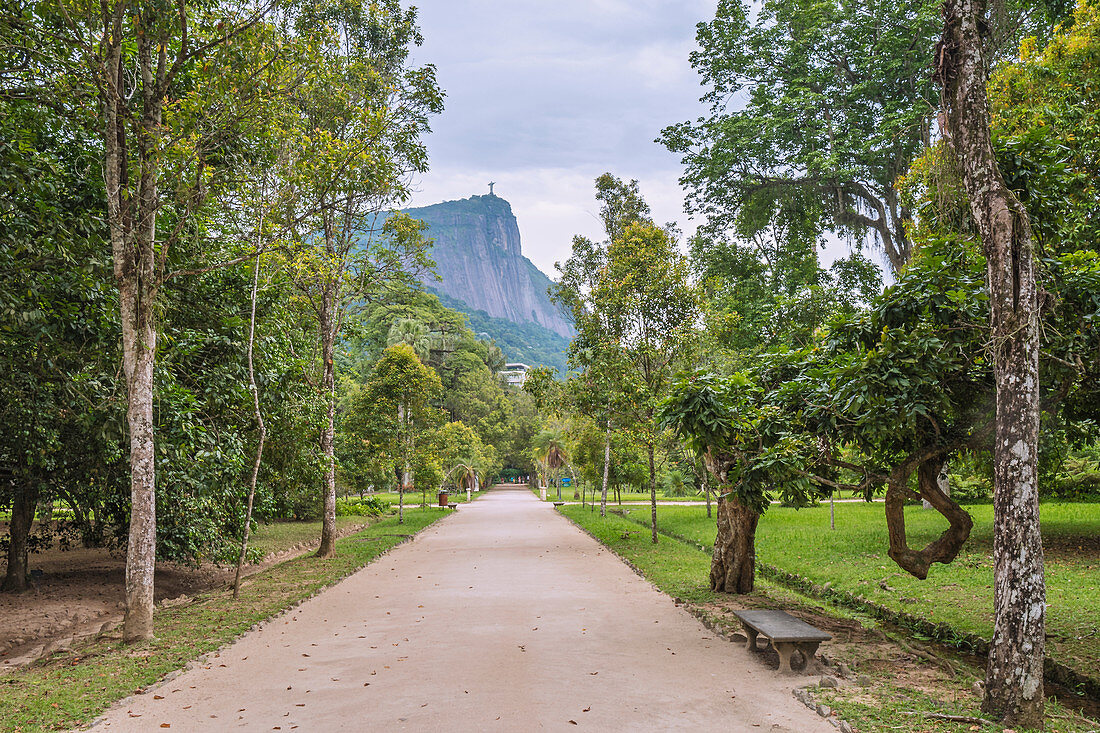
{"points": [[503, 616]]}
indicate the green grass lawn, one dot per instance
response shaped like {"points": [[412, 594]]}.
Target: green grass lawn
{"points": [[281, 535], [681, 570], [853, 558], [73, 687], [414, 497], [567, 495]]}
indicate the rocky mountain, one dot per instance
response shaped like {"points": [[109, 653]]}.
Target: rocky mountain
{"points": [[478, 256]]}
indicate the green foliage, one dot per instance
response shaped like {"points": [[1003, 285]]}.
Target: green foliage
{"points": [[369, 507], [527, 343], [833, 101]]}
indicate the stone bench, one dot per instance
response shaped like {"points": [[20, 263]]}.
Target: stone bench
{"points": [[785, 632]]}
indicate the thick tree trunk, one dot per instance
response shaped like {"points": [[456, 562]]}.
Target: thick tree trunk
{"points": [[652, 493], [606, 467], [19, 532], [944, 548], [1014, 677], [733, 564], [328, 434]]}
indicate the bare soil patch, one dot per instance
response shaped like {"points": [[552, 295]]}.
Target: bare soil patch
{"points": [[80, 594]]}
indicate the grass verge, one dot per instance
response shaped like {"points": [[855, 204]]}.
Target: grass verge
{"points": [[903, 680], [957, 598], [73, 687]]}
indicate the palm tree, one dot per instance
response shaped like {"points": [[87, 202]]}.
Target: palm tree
{"points": [[412, 332], [550, 446]]}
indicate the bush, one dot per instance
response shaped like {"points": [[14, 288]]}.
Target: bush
{"points": [[370, 507]]}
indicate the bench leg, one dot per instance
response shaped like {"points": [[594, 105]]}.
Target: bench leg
{"points": [[784, 649], [750, 635], [808, 649]]}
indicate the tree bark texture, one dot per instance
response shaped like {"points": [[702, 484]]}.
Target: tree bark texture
{"points": [[328, 434], [943, 549], [652, 493], [131, 214], [1014, 676], [19, 531], [733, 564]]}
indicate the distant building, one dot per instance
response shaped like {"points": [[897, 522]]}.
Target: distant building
{"points": [[514, 374]]}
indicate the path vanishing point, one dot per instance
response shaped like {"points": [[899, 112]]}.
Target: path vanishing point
{"points": [[501, 617]]}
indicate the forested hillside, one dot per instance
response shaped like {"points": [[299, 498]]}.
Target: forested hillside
{"points": [[527, 343]]}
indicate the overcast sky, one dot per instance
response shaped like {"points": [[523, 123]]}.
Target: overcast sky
{"points": [[542, 97]]}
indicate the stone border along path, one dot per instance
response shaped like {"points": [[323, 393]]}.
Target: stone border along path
{"points": [[503, 616]]}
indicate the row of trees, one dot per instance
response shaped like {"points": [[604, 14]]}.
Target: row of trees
{"points": [[194, 182], [979, 190]]}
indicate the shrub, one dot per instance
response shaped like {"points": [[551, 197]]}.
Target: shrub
{"points": [[372, 506]]}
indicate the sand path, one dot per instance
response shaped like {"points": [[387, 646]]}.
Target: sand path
{"points": [[501, 617]]}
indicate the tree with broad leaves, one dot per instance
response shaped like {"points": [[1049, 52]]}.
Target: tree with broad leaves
{"points": [[393, 414], [361, 115], [815, 109]]}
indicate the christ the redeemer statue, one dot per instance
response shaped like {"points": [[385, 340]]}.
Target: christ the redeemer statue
{"points": [[491, 184]]}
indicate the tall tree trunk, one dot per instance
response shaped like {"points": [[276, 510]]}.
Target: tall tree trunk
{"points": [[328, 434], [131, 217], [19, 531], [652, 492], [733, 563], [263, 431], [139, 338], [1014, 677], [606, 466]]}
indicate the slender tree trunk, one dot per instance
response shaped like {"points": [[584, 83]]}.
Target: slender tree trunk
{"points": [[1014, 677], [652, 492], [328, 434], [131, 218], [139, 337], [706, 490], [733, 563], [401, 493], [606, 466], [263, 432], [19, 531]]}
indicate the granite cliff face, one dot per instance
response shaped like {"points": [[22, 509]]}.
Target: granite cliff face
{"points": [[477, 253]]}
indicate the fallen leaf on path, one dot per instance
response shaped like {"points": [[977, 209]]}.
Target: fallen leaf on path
{"points": [[587, 709], [573, 722], [158, 697], [165, 725]]}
